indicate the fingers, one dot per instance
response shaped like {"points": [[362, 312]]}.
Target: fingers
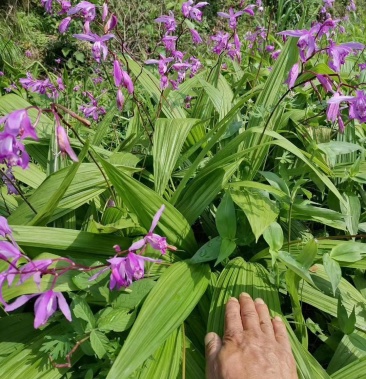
{"points": [[212, 347], [233, 324], [264, 317], [280, 332], [248, 313]]}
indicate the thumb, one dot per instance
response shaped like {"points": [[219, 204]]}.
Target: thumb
{"points": [[212, 347]]}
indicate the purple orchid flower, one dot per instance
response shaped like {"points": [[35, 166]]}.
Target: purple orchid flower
{"points": [[104, 11], [193, 11], [333, 108], [9, 251], [64, 25], [44, 307], [250, 9], [43, 87], [154, 240], [357, 109], [64, 143], [111, 23], [162, 63], [120, 100], [121, 78], [325, 82], [196, 38], [9, 179], [4, 227], [100, 49], [47, 4], [169, 42], [12, 152], [127, 269], [338, 53], [292, 76], [232, 16], [85, 9], [19, 124], [169, 22], [222, 40], [65, 6], [36, 269]]}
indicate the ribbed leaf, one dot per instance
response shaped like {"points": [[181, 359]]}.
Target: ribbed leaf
{"points": [[354, 370], [144, 202], [240, 276], [168, 140], [87, 184], [166, 361], [168, 304]]}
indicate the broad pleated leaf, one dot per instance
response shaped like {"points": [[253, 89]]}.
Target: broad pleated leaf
{"points": [[168, 140], [168, 304], [145, 202]]}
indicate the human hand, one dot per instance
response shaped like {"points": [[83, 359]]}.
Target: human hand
{"points": [[253, 346]]}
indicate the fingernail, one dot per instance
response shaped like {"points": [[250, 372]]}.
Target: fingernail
{"points": [[233, 299], [244, 294], [209, 337], [259, 301], [278, 318]]}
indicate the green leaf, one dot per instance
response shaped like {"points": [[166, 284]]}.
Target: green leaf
{"points": [[168, 304], [226, 218], [208, 252], [226, 249], [168, 140], [81, 309], [99, 343], [333, 271], [346, 323], [308, 254], [115, 319], [273, 235], [144, 202], [354, 370], [294, 265], [348, 251], [258, 208]]}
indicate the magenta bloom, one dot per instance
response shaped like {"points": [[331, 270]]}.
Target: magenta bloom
{"points": [[333, 108], [232, 16], [169, 42], [65, 6], [100, 49], [338, 53], [154, 240], [121, 78], [47, 4], [196, 38], [193, 11], [64, 25], [127, 269], [12, 152], [35, 269], [43, 87], [105, 11], [44, 307], [120, 99], [292, 76], [84, 9], [169, 22], [325, 82], [162, 63], [19, 124], [64, 143], [4, 227], [357, 109], [111, 24], [222, 40]]}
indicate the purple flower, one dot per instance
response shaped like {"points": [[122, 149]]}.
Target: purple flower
{"points": [[270, 48], [333, 108], [121, 78], [64, 25], [195, 65], [64, 143], [196, 38], [357, 109], [168, 21], [127, 269], [362, 66], [232, 16], [47, 4], [85, 9], [4, 227], [35, 269], [12, 152], [221, 40], [169, 42], [292, 76], [249, 9], [338, 53], [120, 99], [19, 124], [154, 240], [65, 6], [111, 24], [1, 73], [162, 63], [193, 11], [43, 87], [275, 54], [325, 82], [44, 307], [9, 251], [28, 54], [105, 11], [100, 49]]}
